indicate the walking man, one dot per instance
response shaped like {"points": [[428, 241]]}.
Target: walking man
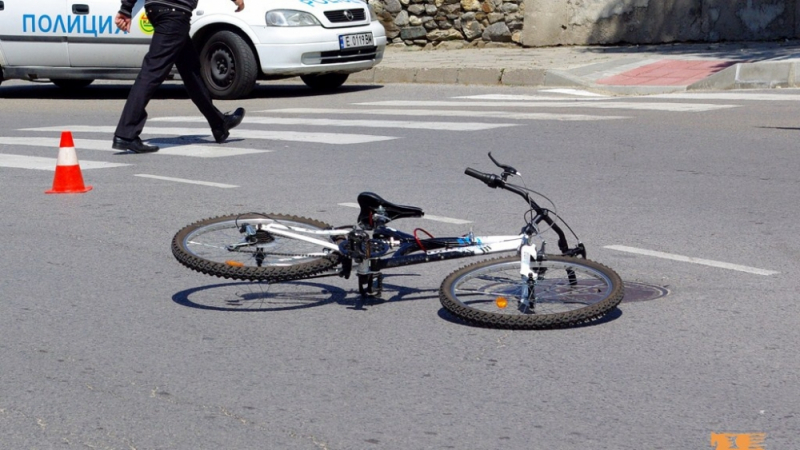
{"points": [[171, 45]]}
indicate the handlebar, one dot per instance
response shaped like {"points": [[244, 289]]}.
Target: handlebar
{"points": [[494, 181]]}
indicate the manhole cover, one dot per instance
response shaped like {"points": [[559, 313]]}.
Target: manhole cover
{"points": [[641, 292]]}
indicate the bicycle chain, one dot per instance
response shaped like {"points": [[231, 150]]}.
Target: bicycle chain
{"points": [[285, 254]]}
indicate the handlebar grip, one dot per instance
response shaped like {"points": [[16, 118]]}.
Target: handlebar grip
{"points": [[492, 181]]}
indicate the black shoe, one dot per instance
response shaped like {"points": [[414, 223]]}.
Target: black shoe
{"points": [[134, 145], [231, 121]]}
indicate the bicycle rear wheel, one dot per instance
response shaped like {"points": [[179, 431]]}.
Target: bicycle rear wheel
{"points": [[218, 247], [567, 291]]}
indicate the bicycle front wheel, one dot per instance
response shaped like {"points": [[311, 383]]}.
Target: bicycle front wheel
{"points": [[219, 246], [566, 291]]}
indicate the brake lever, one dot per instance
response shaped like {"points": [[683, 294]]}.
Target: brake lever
{"points": [[507, 170]]}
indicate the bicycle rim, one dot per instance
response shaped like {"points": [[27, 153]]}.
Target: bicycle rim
{"points": [[214, 247], [567, 291]]}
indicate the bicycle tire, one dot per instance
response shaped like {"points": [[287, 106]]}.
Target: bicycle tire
{"points": [[474, 292], [202, 246]]}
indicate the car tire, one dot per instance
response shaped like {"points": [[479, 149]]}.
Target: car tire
{"points": [[325, 82], [228, 66], [72, 84]]}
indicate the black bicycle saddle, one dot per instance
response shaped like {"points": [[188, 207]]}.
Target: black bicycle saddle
{"points": [[370, 202]]}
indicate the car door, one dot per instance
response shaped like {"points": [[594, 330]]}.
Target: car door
{"points": [[97, 42], [32, 33]]}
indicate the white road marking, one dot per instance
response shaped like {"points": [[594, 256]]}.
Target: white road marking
{"points": [[523, 98], [676, 95], [577, 92], [42, 163], [322, 138], [197, 151], [183, 180], [304, 121], [647, 106], [445, 113], [729, 96], [426, 216], [689, 259]]}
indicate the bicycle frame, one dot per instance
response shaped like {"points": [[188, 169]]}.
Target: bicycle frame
{"points": [[406, 245], [394, 249]]}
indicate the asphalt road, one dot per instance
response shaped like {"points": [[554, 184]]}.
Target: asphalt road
{"points": [[107, 342]]}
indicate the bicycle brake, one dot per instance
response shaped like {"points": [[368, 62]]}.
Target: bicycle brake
{"points": [[507, 170]]}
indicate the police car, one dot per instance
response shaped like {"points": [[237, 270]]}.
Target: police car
{"points": [[74, 42]]}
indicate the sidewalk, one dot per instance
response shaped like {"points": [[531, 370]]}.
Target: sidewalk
{"points": [[624, 70]]}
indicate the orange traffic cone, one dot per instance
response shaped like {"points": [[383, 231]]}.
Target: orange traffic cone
{"points": [[68, 179]]}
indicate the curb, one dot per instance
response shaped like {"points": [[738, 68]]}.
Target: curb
{"points": [[761, 75], [468, 76]]}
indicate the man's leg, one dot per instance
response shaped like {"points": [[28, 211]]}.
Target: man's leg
{"points": [[188, 64], [164, 50]]}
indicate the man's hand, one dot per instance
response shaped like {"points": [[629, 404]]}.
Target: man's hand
{"points": [[239, 5], [124, 23]]}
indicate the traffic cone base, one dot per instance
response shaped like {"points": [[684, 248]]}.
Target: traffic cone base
{"points": [[68, 178]]}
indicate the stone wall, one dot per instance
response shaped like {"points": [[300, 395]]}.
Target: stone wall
{"points": [[432, 22], [588, 22], [429, 23]]}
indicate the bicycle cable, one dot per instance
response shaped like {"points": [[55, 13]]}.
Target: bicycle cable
{"points": [[419, 242], [528, 193]]}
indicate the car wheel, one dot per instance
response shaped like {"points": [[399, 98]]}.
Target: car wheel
{"points": [[71, 84], [325, 82], [228, 66]]}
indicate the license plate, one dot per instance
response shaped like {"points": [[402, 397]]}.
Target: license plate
{"points": [[355, 40]]}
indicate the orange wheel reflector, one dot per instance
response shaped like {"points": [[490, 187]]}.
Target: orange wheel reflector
{"points": [[234, 263], [501, 302]]}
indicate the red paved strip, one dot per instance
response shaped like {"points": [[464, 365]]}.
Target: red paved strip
{"points": [[669, 72]]}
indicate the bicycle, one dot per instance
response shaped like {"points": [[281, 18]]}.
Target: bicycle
{"points": [[529, 290]]}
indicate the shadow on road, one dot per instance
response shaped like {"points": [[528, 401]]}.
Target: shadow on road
{"points": [[290, 295], [169, 91], [259, 297], [781, 128]]}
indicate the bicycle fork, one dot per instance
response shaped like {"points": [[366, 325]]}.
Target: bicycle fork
{"points": [[528, 252]]}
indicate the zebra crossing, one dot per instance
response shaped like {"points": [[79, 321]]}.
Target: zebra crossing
{"points": [[190, 150], [389, 118]]}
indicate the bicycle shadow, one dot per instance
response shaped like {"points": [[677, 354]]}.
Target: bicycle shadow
{"points": [[246, 296], [392, 293]]}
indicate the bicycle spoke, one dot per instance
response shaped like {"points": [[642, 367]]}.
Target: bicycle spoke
{"points": [[239, 246], [558, 288]]}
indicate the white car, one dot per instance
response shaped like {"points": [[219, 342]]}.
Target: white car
{"points": [[74, 42]]}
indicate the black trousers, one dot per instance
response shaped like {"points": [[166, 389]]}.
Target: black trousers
{"points": [[171, 45]]}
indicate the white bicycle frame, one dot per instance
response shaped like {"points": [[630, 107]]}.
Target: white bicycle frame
{"points": [[483, 245]]}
